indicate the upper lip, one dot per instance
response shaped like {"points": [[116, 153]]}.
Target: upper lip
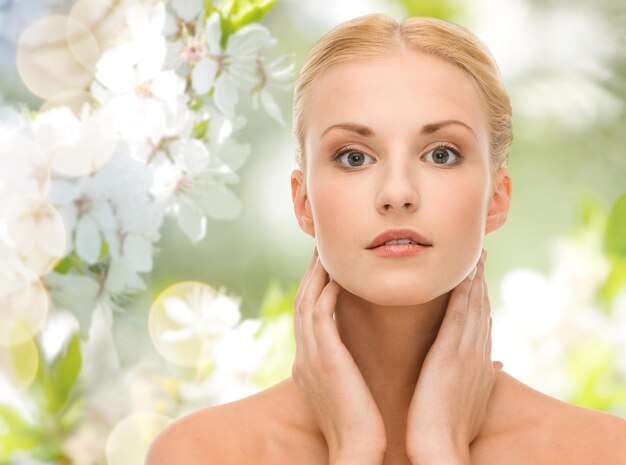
{"points": [[393, 234]]}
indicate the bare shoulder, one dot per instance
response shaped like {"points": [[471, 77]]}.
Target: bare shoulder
{"points": [[529, 427], [262, 429], [587, 436], [209, 435]]}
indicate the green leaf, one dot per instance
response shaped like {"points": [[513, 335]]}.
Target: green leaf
{"points": [[250, 11], [588, 365], [235, 14], [615, 232], [104, 250], [614, 245], [196, 104], [64, 371], [15, 433], [592, 213], [71, 260], [200, 129], [276, 301], [615, 280], [278, 360], [443, 9]]}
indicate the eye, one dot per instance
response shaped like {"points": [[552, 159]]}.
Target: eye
{"points": [[441, 154], [355, 157]]}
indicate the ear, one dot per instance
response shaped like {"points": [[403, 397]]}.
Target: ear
{"points": [[500, 200], [301, 204]]}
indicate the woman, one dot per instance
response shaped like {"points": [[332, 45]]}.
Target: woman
{"points": [[403, 132]]}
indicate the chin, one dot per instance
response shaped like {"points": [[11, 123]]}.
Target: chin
{"points": [[395, 295]]}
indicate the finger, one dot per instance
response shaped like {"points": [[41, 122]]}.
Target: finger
{"points": [[310, 298], [485, 333], [475, 311], [305, 279], [324, 326], [297, 320], [451, 329]]}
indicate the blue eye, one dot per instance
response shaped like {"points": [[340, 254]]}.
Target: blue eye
{"points": [[439, 156], [350, 151], [442, 154]]}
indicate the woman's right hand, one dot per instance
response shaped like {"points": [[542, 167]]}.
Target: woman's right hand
{"points": [[325, 371]]}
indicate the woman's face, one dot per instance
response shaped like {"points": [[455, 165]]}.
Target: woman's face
{"points": [[413, 103]]}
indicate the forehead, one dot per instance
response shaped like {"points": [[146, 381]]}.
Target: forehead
{"points": [[392, 94]]}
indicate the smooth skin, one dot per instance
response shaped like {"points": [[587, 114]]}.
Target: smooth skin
{"points": [[399, 316], [402, 375], [449, 405]]}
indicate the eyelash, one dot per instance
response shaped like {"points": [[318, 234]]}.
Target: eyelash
{"points": [[443, 145]]}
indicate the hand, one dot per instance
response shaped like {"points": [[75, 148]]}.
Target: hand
{"points": [[449, 404], [325, 371]]}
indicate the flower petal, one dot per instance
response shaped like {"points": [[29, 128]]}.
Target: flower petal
{"points": [[271, 107], [191, 221], [203, 75], [187, 9], [88, 240], [225, 96], [213, 33], [248, 40], [178, 310], [218, 202]]}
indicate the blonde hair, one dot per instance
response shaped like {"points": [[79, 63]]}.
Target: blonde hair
{"points": [[378, 35]]}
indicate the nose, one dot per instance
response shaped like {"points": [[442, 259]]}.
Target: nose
{"points": [[398, 191]]}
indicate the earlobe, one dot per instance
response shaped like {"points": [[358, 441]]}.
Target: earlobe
{"points": [[500, 201], [301, 203]]}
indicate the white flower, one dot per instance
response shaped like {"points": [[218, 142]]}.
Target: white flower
{"points": [[544, 320], [75, 293], [187, 10], [235, 67], [75, 147], [23, 166], [192, 185], [274, 75], [131, 82], [85, 212], [201, 314], [114, 204]]}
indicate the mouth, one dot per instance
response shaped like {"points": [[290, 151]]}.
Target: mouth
{"points": [[399, 249], [404, 237]]}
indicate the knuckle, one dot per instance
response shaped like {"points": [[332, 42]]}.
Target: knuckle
{"points": [[317, 314]]}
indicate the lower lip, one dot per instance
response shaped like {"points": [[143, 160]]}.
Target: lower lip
{"points": [[399, 250]]}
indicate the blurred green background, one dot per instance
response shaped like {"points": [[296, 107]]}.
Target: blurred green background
{"points": [[564, 65]]}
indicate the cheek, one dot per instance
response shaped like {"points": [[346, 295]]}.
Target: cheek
{"points": [[337, 211], [460, 229]]}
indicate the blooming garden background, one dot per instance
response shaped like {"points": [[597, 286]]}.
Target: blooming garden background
{"points": [[149, 257]]}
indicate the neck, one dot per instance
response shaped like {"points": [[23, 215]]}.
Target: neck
{"points": [[389, 345]]}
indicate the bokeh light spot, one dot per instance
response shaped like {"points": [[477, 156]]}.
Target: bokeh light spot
{"points": [[130, 439]]}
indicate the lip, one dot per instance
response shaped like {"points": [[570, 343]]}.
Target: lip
{"points": [[399, 250], [394, 234]]}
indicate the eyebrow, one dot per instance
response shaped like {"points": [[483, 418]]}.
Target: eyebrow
{"points": [[368, 132]]}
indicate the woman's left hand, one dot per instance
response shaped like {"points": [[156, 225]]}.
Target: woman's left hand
{"points": [[450, 400]]}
